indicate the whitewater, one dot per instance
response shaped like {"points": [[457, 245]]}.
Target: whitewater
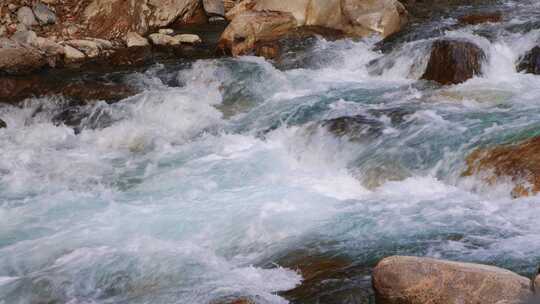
{"points": [[199, 187]]}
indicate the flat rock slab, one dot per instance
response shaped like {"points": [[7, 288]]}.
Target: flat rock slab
{"points": [[413, 280]]}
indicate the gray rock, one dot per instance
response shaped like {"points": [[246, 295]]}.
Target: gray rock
{"points": [[43, 14], [2, 124], [214, 7], [25, 15], [413, 280], [25, 37]]}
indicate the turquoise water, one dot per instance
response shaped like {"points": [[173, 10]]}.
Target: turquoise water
{"points": [[189, 191]]}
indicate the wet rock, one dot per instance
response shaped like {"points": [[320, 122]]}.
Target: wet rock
{"points": [[43, 14], [132, 56], [269, 51], [19, 59], [235, 301], [481, 18], [519, 163], [214, 7], [250, 28], [25, 15], [453, 62], [72, 55], [133, 40], [413, 280], [530, 63], [356, 128], [2, 124]]}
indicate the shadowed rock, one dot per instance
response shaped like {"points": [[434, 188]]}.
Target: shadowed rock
{"points": [[2, 124], [453, 62], [356, 128], [412, 280], [519, 163], [530, 63]]}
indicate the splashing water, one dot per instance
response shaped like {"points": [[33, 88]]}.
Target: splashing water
{"points": [[181, 194]]}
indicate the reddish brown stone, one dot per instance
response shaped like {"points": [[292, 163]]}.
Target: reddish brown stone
{"points": [[519, 163], [481, 18], [453, 62]]}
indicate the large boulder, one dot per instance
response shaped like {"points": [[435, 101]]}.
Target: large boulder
{"points": [[454, 61], [354, 17], [16, 58], [137, 16], [530, 63], [412, 280], [518, 163], [252, 27]]}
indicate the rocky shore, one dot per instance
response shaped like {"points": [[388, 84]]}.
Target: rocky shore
{"points": [[41, 38]]}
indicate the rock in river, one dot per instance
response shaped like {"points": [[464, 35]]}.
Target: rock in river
{"points": [[454, 61], [413, 280], [530, 63]]}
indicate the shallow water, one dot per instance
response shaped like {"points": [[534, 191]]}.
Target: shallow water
{"points": [[198, 188]]}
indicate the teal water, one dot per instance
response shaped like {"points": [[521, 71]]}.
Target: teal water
{"points": [[188, 191]]}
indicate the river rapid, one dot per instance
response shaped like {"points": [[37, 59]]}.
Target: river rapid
{"points": [[203, 186]]}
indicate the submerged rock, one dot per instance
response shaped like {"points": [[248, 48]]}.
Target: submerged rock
{"points": [[481, 18], [519, 163], [413, 280], [356, 128], [2, 124], [530, 63], [454, 61]]}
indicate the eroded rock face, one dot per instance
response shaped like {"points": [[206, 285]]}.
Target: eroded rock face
{"points": [[138, 16], [454, 61], [412, 280], [530, 63], [519, 163], [249, 28]]}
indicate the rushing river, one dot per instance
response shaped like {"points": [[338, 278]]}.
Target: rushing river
{"points": [[203, 185]]}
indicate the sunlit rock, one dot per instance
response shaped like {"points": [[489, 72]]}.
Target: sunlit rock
{"points": [[519, 163], [250, 28], [454, 61], [413, 280], [133, 39]]}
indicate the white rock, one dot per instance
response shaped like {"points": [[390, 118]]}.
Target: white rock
{"points": [[134, 39], [12, 7], [25, 15], [89, 48], [188, 38], [166, 31], [72, 54], [161, 39]]}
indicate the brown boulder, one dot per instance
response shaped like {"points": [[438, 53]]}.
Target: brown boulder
{"points": [[481, 18], [530, 63], [137, 16], [519, 163], [413, 280], [250, 28], [453, 62], [20, 59]]}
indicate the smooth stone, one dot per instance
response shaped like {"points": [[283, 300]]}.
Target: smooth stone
{"points": [[166, 31], [414, 280], [25, 15], [43, 14], [133, 39], [161, 39], [72, 54], [188, 38], [88, 47]]}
